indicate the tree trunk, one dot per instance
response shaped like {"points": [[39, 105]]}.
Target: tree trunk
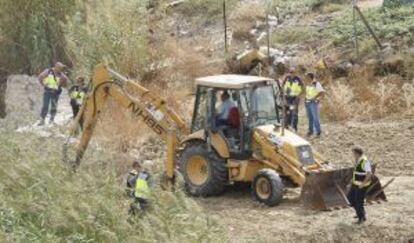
{"points": [[3, 86]]}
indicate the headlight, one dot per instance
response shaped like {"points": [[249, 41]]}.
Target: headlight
{"points": [[305, 154]]}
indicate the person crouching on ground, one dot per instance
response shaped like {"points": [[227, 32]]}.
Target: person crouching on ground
{"points": [[132, 177], [77, 93], [52, 79], [313, 94], [142, 189], [139, 178], [360, 182]]}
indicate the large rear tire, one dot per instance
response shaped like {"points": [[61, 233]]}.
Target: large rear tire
{"points": [[205, 173], [267, 187]]}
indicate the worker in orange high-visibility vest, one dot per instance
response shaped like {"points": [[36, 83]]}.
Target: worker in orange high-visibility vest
{"points": [[52, 80]]}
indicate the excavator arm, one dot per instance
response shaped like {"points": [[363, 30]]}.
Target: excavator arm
{"points": [[141, 102]]}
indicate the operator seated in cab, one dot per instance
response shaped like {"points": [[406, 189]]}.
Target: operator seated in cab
{"points": [[223, 113]]}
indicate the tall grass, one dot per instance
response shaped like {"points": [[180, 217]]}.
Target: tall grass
{"points": [[365, 97], [110, 31], [43, 202]]}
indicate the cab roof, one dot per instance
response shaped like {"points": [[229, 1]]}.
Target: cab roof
{"points": [[231, 81]]}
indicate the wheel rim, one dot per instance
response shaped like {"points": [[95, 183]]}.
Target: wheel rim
{"points": [[197, 170], [263, 188]]}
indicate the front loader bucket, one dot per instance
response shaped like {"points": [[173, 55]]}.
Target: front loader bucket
{"points": [[326, 189]]}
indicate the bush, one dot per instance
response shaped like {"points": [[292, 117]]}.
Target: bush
{"points": [[293, 35], [396, 3], [283, 8], [319, 4], [332, 7], [386, 23], [31, 34], [207, 10], [409, 64], [43, 202]]}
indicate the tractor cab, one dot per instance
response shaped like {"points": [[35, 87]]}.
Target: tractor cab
{"points": [[233, 105]]}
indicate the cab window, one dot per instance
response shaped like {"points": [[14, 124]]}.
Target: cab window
{"points": [[200, 110]]}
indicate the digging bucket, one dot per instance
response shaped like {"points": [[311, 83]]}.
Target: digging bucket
{"points": [[326, 190]]}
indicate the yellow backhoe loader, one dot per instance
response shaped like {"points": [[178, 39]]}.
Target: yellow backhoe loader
{"points": [[251, 147], [248, 60]]}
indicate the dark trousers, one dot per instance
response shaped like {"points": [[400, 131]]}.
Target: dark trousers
{"points": [[221, 122], [50, 97], [292, 110], [75, 107], [143, 203], [138, 206], [356, 198]]}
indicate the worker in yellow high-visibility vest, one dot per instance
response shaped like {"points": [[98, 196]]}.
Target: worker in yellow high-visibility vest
{"points": [[132, 178], [52, 79], [140, 182], [77, 93], [313, 94], [293, 88], [361, 180]]}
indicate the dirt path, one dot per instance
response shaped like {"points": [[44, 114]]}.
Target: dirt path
{"points": [[248, 221], [391, 142]]}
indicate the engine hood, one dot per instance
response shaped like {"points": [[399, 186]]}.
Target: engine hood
{"points": [[275, 136]]}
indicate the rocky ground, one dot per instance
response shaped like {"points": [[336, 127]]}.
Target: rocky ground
{"points": [[24, 99]]}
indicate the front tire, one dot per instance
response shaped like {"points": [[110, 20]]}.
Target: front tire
{"points": [[205, 173], [267, 187]]}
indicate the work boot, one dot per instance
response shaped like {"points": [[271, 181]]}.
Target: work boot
{"points": [[309, 134], [52, 121], [41, 122], [360, 221]]}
